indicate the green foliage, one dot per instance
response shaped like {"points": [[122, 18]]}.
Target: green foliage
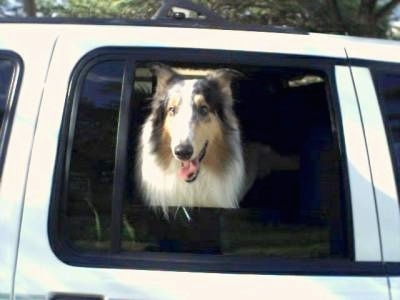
{"points": [[354, 17], [47, 8], [137, 9]]}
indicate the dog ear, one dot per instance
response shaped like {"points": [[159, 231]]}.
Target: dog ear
{"points": [[224, 77], [164, 75]]}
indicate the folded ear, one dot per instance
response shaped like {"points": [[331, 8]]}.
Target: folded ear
{"points": [[164, 75], [224, 78]]}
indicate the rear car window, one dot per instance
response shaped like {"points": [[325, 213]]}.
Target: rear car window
{"points": [[388, 86], [10, 66], [294, 209]]}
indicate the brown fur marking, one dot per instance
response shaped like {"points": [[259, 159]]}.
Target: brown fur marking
{"points": [[199, 100], [174, 101], [217, 150], [164, 155]]}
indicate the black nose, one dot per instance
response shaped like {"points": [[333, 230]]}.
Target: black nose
{"points": [[183, 151]]}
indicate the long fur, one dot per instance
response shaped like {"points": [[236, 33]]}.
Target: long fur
{"points": [[220, 181]]}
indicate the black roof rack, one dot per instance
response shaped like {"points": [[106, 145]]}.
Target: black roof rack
{"points": [[166, 12], [166, 16]]}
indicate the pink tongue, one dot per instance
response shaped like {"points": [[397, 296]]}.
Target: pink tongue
{"points": [[188, 169]]}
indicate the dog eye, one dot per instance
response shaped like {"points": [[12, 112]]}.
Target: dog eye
{"points": [[203, 110], [172, 110]]}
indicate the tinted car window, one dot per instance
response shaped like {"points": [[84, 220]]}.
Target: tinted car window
{"points": [[10, 66], [389, 89], [6, 77]]}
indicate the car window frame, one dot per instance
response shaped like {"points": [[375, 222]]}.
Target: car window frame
{"points": [[203, 262]]}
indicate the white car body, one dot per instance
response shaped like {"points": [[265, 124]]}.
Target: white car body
{"points": [[29, 269]]}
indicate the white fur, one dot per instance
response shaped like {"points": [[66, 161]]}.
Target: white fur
{"points": [[162, 188], [182, 124]]}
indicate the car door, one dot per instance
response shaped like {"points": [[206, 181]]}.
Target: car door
{"points": [[95, 73], [23, 74]]}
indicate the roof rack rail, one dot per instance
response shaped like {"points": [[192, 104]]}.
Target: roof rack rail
{"points": [[186, 13], [166, 12]]}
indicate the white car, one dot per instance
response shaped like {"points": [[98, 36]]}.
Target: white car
{"points": [[73, 97]]}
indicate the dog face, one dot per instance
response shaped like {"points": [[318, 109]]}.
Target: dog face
{"points": [[190, 118]]}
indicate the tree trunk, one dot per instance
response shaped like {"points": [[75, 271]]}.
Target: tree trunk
{"points": [[30, 8], [337, 16]]}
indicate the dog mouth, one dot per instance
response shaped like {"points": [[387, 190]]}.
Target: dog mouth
{"points": [[189, 169]]}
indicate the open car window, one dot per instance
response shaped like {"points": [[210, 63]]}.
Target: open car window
{"points": [[295, 206]]}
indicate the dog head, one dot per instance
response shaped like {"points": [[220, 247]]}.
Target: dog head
{"points": [[191, 117]]}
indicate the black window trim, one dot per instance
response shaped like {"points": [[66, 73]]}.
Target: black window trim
{"points": [[121, 156], [193, 262], [14, 89]]}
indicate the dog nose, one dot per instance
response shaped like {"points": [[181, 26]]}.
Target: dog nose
{"points": [[184, 151]]}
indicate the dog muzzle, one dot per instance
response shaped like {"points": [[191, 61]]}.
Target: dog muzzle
{"points": [[189, 169]]}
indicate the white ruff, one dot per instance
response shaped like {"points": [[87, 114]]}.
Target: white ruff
{"points": [[162, 188]]}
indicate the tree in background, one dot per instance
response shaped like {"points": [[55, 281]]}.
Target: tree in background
{"points": [[132, 9], [363, 17], [354, 17], [29, 8]]}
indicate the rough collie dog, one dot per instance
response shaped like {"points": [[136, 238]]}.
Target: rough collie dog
{"points": [[190, 152]]}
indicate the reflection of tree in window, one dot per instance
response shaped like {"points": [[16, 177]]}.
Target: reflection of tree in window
{"points": [[389, 87], [6, 74], [92, 160]]}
